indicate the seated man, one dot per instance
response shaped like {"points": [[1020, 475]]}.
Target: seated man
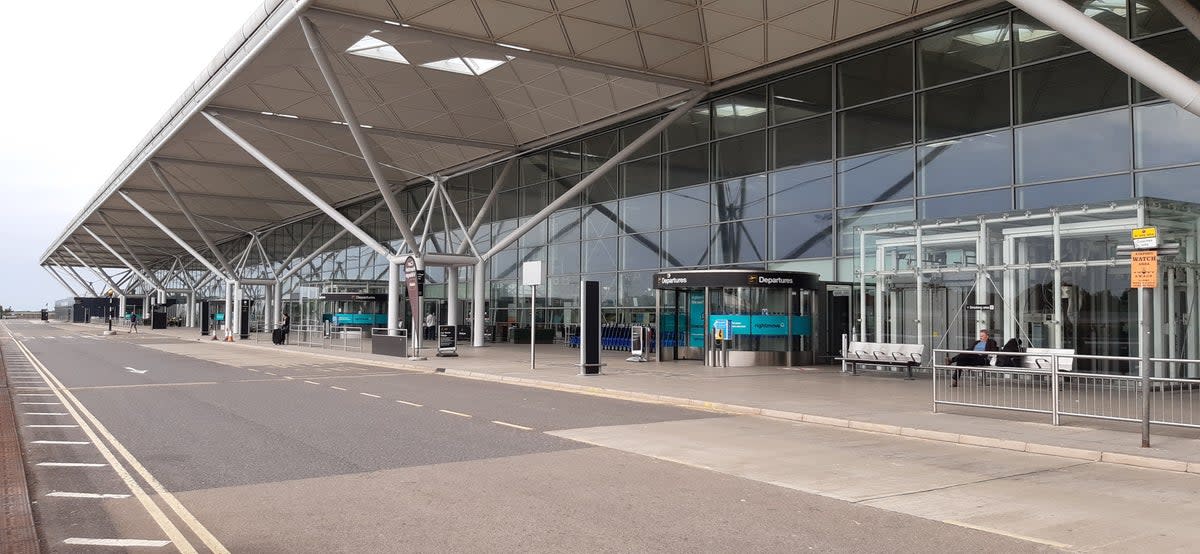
{"points": [[984, 344]]}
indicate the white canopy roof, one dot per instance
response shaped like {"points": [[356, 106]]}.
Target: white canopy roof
{"points": [[443, 86]]}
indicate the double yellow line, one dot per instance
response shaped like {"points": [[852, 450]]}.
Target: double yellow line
{"points": [[94, 430]]}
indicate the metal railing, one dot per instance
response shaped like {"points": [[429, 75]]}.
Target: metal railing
{"points": [[1054, 390], [347, 338]]}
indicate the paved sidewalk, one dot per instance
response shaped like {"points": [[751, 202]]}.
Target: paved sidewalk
{"points": [[819, 395]]}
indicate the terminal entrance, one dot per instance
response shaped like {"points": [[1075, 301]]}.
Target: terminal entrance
{"points": [[737, 317]]}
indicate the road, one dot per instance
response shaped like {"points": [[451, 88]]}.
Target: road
{"points": [[190, 446]]}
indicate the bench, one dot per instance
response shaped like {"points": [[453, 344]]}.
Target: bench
{"points": [[882, 353], [1040, 358]]}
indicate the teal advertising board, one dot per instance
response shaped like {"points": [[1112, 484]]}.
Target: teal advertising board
{"points": [[764, 325]]}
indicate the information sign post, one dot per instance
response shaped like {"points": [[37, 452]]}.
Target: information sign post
{"points": [[532, 275]]}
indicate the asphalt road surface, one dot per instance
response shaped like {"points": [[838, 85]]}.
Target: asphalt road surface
{"points": [[144, 443]]}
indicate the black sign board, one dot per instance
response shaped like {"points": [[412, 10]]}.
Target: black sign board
{"points": [[735, 278], [344, 296], [589, 328], [415, 280], [980, 307], [447, 341]]}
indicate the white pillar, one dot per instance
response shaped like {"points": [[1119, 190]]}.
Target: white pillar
{"points": [[478, 281], [121, 307], [452, 317], [237, 310], [394, 306], [277, 302], [228, 307]]}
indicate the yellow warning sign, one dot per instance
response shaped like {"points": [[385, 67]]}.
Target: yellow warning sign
{"points": [[1145, 233], [1143, 269]]}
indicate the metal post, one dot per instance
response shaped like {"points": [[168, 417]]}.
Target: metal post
{"points": [[228, 308], [478, 282], [360, 138], [862, 285], [393, 298], [1116, 50], [1057, 339], [1144, 353], [920, 270], [658, 326], [1054, 389], [532, 325]]}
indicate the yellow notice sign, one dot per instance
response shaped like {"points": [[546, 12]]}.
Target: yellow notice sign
{"points": [[1145, 233], [1143, 269]]}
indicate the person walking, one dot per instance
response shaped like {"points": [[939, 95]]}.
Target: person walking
{"points": [[133, 322], [430, 326], [984, 344]]}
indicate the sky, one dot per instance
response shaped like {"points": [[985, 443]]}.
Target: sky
{"points": [[84, 82]]}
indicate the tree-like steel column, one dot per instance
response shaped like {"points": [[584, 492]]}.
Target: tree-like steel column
{"points": [[60, 280], [212, 246], [360, 138], [87, 287]]}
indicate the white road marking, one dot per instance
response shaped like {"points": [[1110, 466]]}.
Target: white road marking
{"points": [[138, 371], [32, 394], [44, 426], [513, 425], [70, 464], [1007, 534], [61, 442], [269, 373], [86, 495], [371, 395], [115, 542], [312, 382], [338, 388], [288, 378], [254, 370], [79, 412], [410, 403], [46, 413], [41, 403], [459, 414]]}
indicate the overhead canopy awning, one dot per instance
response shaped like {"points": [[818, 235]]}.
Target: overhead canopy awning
{"points": [[442, 86]]}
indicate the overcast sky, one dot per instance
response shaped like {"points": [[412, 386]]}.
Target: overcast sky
{"points": [[84, 82]]}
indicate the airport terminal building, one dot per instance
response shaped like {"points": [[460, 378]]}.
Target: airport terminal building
{"points": [[888, 170]]}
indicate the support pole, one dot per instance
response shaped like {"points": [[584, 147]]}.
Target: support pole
{"points": [[299, 187], [1185, 12], [488, 203], [360, 138], [1116, 50], [173, 236], [594, 176], [121, 240], [394, 306], [478, 280], [452, 296], [61, 281], [87, 287], [122, 259], [96, 270], [1144, 338]]}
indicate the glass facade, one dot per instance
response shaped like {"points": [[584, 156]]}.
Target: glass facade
{"points": [[988, 115]]}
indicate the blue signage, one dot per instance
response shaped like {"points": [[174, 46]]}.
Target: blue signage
{"points": [[763, 325], [360, 319], [696, 327]]}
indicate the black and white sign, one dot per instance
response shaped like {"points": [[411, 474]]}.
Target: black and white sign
{"points": [[447, 341]]}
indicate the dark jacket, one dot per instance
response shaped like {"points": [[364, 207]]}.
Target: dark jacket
{"points": [[976, 359], [1013, 345]]}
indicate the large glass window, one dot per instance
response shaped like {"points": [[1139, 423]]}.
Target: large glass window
{"points": [[605, 188], [802, 142], [533, 199], [564, 225], [875, 178], [600, 220], [1178, 50], [534, 168], [740, 198], [1173, 184], [868, 217], [686, 247], [1036, 40], [740, 112], [975, 49], [600, 255], [962, 205], [1166, 134], [565, 160], [632, 132], [1073, 193], [876, 126], [563, 258], [691, 128], [739, 242], [637, 288], [685, 207], [640, 251], [508, 205], [877, 75], [966, 163], [599, 148], [1088, 145], [802, 95], [641, 176], [802, 188], [1068, 86], [687, 167], [640, 213], [969, 107], [741, 155], [802, 236]]}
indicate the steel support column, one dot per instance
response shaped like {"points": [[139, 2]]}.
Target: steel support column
{"points": [[365, 145], [594, 176], [122, 259], [61, 281], [121, 240], [299, 187], [87, 287], [167, 231], [478, 280], [488, 203], [1185, 12], [394, 308], [1116, 50], [212, 246], [452, 317], [96, 270]]}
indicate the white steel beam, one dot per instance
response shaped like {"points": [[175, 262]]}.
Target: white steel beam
{"points": [[212, 246], [594, 176], [1186, 12], [329, 243], [299, 187], [125, 245], [98, 271], [488, 203], [87, 287], [1116, 50], [167, 231], [60, 280], [142, 276], [365, 145]]}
